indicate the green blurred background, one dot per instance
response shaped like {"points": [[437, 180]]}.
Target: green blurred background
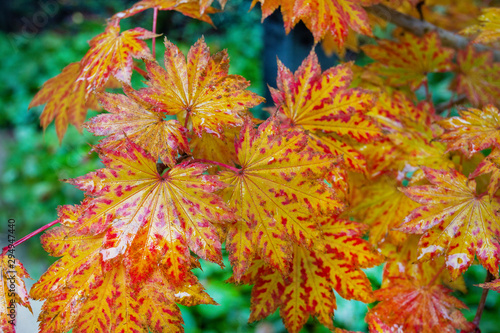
{"points": [[32, 162]]}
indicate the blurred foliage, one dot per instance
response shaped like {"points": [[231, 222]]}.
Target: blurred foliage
{"points": [[32, 163]]}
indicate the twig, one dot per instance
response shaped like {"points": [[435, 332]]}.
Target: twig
{"points": [[448, 105], [28, 236], [420, 28], [480, 307], [139, 70], [155, 17]]}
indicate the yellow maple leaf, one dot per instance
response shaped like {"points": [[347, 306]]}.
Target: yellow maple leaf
{"points": [[111, 53], [12, 291], [199, 90], [410, 59], [455, 221], [134, 120], [488, 28], [277, 196]]}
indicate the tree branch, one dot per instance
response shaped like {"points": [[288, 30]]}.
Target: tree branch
{"points": [[420, 28], [480, 307], [448, 105]]}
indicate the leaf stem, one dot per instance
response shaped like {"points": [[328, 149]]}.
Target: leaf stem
{"points": [[201, 160], [155, 17], [139, 70], [28, 236], [434, 278], [428, 96], [480, 307]]}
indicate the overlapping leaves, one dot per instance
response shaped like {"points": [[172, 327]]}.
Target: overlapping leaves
{"points": [[455, 220], [407, 61], [322, 17], [323, 105], [308, 289], [198, 89], [277, 194]]}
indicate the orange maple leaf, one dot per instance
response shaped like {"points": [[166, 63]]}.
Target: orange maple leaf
{"points": [[277, 195], [383, 207], [477, 76], [322, 17], [488, 28], [111, 53], [408, 61], [132, 119], [153, 217], [199, 91], [308, 289], [12, 291], [198, 9], [455, 220], [317, 103], [490, 165], [410, 304], [66, 100], [86, 292], [474, 131], [412, 134]]}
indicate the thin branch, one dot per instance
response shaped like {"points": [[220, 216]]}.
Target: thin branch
{"points": [[448, 105], [155, 18], [480, 307], [28, 236], [139, 70], [420, 28], [428, 95], [201, 160]]}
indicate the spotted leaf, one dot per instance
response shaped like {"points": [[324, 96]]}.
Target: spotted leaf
{"points": [[455, 221], [277, 196]]}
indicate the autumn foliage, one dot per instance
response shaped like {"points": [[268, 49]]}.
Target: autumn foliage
{"points": [[355, 167]]}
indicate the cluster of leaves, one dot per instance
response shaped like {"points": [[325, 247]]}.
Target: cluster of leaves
{"points": [[346, 151]]}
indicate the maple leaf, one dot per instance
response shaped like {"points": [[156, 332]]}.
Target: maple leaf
{"points": [[84, 294], [132, 119], [308, 289], [322, 17], [330, 46], [455, 220], [408, 61], [410, 304], [168, 214], [12, 291], [490, 165], [383, 207], [488, 28], [111, 53], [198, 9], [215, 148], [412, 134], [318, 103], [277, 194], [474, 131], [493, 285], [477, 76], [199, 90], [66, 101]]}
